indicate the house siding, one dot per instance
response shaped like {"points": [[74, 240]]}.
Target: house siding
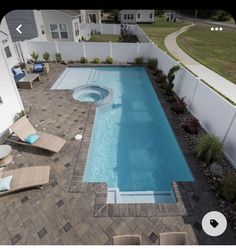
{"points": [[57, 17], [144, 16]]}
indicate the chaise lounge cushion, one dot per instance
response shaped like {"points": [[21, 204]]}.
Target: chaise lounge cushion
{"points": [[5, 183], [32, 138], [17, 73]]}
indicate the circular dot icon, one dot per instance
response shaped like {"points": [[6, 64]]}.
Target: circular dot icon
{"points": [[220, 28], [216, 29], [212, 29], [214, 223]]}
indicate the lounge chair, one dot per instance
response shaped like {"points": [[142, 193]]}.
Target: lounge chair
{"points": [[126, 240], [22, 128], [28, 177], [173, 238]]}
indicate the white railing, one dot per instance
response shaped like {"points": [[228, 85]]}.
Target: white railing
{"points": [[215, 113]]}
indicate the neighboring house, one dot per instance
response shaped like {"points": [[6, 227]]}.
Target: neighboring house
{"points": [[51, 25], [136, 16]]}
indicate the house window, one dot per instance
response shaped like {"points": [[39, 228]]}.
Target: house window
{"points": [[63, 31], [125, 16], [92, 17], [59, 31], [151, 16], [128, 16], [7, 51], [1, 100], [132, 16], [138, 15], [54, 31], [42, 29], [76, 28], [80, 19]]}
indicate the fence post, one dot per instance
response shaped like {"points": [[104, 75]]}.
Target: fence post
{"points": [[110, 48], [56, 46], [138, 48], [84, 49], [114, 28], [230, 125], [101, 28], [194, 92]]}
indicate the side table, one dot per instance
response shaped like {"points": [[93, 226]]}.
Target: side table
{"points": [[5, 155]]}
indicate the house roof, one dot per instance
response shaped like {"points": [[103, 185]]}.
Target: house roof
{"points": [[70, 12]]}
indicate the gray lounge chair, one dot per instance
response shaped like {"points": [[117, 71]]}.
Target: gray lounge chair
{"points": [[23, 128], [173, 238], [28, 177], [126, 240]]}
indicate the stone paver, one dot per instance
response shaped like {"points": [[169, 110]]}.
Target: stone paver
{"points": [[64, 212]]}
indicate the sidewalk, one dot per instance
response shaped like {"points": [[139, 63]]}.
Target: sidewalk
{"points": [[224, 86]]}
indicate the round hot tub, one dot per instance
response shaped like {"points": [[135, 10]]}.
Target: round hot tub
{"points": [[92, 93]]}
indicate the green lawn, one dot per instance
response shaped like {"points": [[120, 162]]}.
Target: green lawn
{"points": [[104, 38], [216, 50], [158, 30]]}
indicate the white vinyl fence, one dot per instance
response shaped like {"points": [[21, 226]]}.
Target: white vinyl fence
{"points": [[216, 115], [114, 29]]}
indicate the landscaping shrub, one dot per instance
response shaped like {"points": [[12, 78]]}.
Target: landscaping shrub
{"points": [[46, 56], [58, 57], [171, 77], [139, 60], [109, 60], [209, 148], [179, 106], [96, 61], [227, 188], [35, 56], [191, 125], [83, 60], [152, 63], [19, 115]]}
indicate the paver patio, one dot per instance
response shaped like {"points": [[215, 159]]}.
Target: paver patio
{"points": [[59, 215]]}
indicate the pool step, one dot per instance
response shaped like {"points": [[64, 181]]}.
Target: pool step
{"points": [[116, 196]]}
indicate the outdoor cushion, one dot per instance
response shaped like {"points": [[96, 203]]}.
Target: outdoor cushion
{"points": [[31, 138], [17, 70], [38, 66], [5, 183]]}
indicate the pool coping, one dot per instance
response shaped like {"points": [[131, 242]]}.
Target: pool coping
{"points": [[181, 189]]}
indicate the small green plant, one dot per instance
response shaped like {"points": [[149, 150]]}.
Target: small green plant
{"points": [[109, 60], [227, 188], [209, 148], [152, 63], [58, 57], [46, 56], [96, 61], [35, 56], [83, 60], [139, 60], [19, 115]]}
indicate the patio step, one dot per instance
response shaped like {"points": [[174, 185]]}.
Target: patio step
{"points": [[116, 196]]}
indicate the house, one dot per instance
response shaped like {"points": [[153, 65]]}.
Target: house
{"points": [[10, 101], [136, 16], [51, 25]]}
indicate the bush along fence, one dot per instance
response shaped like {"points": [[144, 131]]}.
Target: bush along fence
{"points": [[215, 114]]}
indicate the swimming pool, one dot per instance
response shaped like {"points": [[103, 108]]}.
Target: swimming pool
{"points": [[133, 148]]}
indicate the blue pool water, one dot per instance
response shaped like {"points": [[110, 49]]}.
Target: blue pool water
{"points": [[132, 147]]}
